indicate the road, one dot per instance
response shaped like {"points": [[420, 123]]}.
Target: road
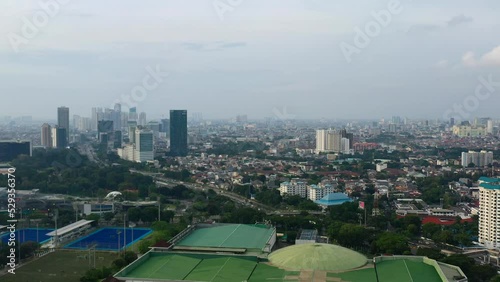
{"points": [[233, 196]]}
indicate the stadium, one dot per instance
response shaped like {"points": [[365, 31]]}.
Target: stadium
{"points": [[244, 252]]}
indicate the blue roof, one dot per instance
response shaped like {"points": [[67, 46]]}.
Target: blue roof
{"points": [[488, 179], [333, 199]]}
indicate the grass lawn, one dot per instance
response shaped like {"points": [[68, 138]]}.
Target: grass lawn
{"points": [[59, 266]]}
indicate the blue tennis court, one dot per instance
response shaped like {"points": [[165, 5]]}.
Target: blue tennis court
{"points": [[29, 234], [110, 238]]}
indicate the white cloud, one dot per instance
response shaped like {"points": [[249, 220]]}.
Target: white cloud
{"points": [[491, 58]]}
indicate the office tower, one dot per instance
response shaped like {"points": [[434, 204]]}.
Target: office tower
{"points": [[59, 137], [9, 150], [97, 115], [132, 125], [132, 114], [165, 126], [144, 145], [489, 212], [117, 138], [63, 120], [178, 133], [117, 117], [155, 127], [142, 119], [479, 159], [104, 127], [46, 138], [452, 121]]}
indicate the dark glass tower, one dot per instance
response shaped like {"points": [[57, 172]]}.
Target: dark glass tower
{"points": [[178, 133]]}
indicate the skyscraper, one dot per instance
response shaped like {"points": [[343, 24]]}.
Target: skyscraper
{"points": [[46, 138], [63, 120], [142, 119], [489, 213], [59, 137], [178, 133], [117, 117], [144, 145]]}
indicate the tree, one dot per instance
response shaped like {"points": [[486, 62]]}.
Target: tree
{"points": [[351, 235], [134, 214], [392, 243]]}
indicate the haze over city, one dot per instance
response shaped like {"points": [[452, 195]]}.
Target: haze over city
{"points": [[256, 58]]}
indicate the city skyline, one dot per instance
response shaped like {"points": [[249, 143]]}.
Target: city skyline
{"points": [[308, 59]]}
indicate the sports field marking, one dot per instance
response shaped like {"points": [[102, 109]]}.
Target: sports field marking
{"points": [[229, 236], [152, 273], [409, 274], [220, 269]]}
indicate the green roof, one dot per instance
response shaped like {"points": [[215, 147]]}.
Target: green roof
{"points": [[229, 236], [317, 257]]}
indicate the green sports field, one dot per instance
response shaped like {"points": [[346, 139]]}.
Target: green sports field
{"points": [[206, 267], [229, 236], [400, 270], [59, 266], [404, 270]]}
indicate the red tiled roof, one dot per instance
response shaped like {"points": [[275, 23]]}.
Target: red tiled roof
{"points": [[443, 220]]}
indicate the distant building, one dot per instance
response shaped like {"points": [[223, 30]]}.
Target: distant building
{"points": [[63, 120], [59, 139], [489, 213], [337, 141], [104, 127], [9, 150], [178, 133], [469, 131], [144, 145], [294, 187], [316, 192], [142, 119], [479, 159], [165, 126], [46, 136]]}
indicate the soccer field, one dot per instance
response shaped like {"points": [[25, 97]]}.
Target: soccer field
{"points": [[59, 266]]}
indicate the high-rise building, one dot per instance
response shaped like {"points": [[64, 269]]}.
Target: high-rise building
{"points": [[59, 139], [489, 126], [479, 159], [132, 125], [9, 150], [63, 120], [489, 212], [142, 119], [104, 127], [117, 117], [165, 126], [144, 145], [46, 138], [132, 113], [331, 141], [178, 133]]}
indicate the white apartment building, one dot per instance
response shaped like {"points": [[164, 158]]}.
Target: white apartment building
{"points": [[489, 212], [294, 187], [317, 192], [329, 141], [479, 159]]}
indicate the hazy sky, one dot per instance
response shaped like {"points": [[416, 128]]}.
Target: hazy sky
{"points": [[262, 58]]}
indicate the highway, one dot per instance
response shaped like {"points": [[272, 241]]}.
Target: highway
{"points": [[233, 196]]}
